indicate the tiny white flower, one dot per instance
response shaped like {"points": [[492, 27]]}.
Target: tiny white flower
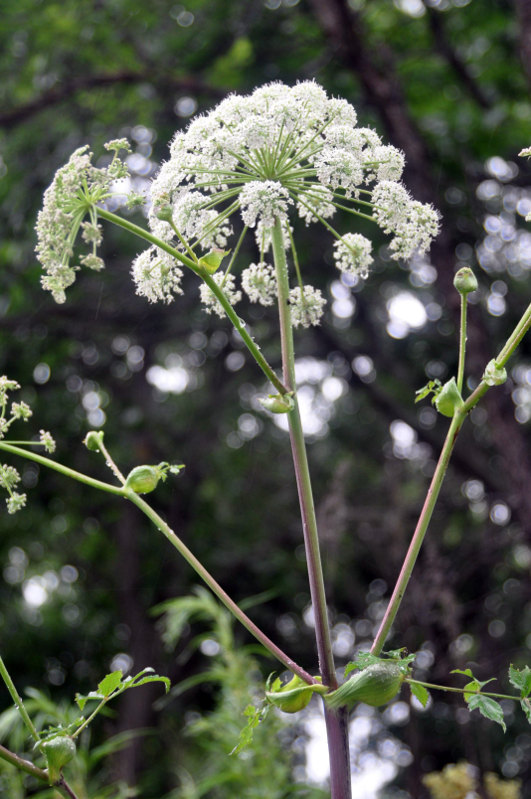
{"points": [[352, 254], [259, 283], [308, 308], [211, 302]]}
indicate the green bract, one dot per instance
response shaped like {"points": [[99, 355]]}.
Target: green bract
{"points": [[293, 696], [494, 375], [375, 685], [278, 403], [59, 751], [449, 399], [212, 260]]}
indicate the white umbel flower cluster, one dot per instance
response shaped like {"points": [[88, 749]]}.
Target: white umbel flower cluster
{"points": [[157, 276], [76, 186], [259, 283], [281, 150], [265, 159], [352, 254], [307, 307]]}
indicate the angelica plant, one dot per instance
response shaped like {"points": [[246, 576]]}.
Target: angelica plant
{"points": [[265, 166]]}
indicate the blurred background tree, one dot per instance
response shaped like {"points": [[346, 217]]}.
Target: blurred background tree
{"points": [[448, 82]]}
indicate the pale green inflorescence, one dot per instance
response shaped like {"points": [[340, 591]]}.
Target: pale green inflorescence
{"points": [[75, 188], [9, 413], [279, 154]]}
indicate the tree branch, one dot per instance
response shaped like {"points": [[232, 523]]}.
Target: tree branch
{"points": [[456, 63], [58, 94]]}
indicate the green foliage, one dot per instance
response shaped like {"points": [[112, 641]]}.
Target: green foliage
{"points": [[260, 762], [115, 683]]}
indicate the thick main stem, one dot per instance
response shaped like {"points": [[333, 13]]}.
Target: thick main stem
{"points": [[336, 721]]}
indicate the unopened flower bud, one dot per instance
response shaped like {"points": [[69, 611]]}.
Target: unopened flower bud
{"points": [[465, 281], [93, 440], [143, 479]]}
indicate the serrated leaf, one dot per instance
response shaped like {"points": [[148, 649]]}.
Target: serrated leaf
{"points": [[110, 683], [432, 386], [420, 693], [526, 707], [466, 672], [363, 659], [152, 678], [82, 699], [474, 685], [254, 716], [521, 679], [488, 707]]}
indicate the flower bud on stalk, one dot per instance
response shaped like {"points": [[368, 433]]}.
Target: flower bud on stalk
{"points": [[465, 281]]}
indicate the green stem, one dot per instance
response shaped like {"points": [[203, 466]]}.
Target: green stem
{"points": [[435, 486], [110, 461], [515, 338], [216, 589], [22, 764], [418, 535], [18, 702], [90, 718], [461, 690], [58, 467], [181, 548], [462, 343], [211, 283], [336, 721]]}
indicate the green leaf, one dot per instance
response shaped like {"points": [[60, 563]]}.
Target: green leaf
{"points": [[420, 693], [82, 699], [365, 659], [254, 716], [521, 679], [488, 707], [110, 683], [474, 685], [434, 386], [526, 707]]}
